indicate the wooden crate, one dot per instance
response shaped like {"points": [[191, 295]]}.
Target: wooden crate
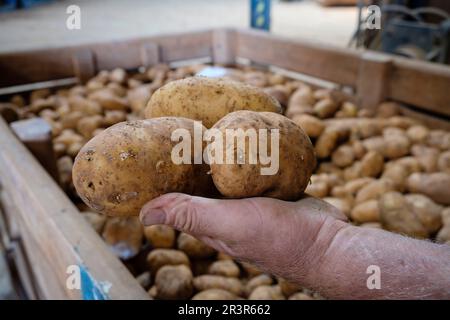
{"points": [[56, 235]]}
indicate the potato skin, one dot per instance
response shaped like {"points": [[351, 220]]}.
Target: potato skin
{"points": [[128, 164], [296, 159], [208, 99]]}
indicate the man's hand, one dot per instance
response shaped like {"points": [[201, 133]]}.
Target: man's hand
{"points": [[309, 242]]}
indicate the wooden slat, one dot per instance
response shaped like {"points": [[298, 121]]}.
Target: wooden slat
{"points": [[426, 119], [328, 63], [424, 85], [50, 64], [224, 47], [372, 85], [59, 234]]}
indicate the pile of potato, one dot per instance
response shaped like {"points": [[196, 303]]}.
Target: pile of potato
{"points": [[382, 170]]}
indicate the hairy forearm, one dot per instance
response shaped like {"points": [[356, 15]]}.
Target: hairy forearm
{"points": [[409, 268]]}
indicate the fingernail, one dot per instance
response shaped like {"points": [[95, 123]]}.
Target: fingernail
{"points": [[152, 216]]}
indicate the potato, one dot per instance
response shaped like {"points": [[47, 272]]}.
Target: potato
{"points": [[287, 288], [153, 292], [59, 149], [226, 268], [396, 216], [207, 99], [250, 270], [296, 159], [215, 294], [434, 185], [109, 100], [371, 164], [267, 293], [444, 162], [358, 149], [343, 156], [300, 296], [351, 187], [388, 109], [398, 174], [39, 94], [279, 93], [418, 133], [201, 266], [347, 110], [124, 236], [205, 282], [444, 235], [70, 120], [325, 108], [162, 257], [301, 101], [174, 282], [87, 125], [400, 122], [261, 280], [411, 164], [130, 163], [139, 97], [68, 137], [374, 190], [374, 144], [321, 94], [427, 157], [18, 100], [118, 75], [64, 165], [375, 225], [344, 205], [113, 116], [318, 188], [367, 211], [428, 212], [192, 247], [310, 124], [396, 147], [74, 148], [366, 127], [330, 168], [160, 236], [329, 139], [144, 279], [439, 139], [353, 172]]}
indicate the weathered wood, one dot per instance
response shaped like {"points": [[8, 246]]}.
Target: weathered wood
{"points": [[427, 119], [84, 64], [50, 64], [224, 47], [58, 234], [328, 63], [36, 135], [424, 85], [150, 54], [373, 79]]}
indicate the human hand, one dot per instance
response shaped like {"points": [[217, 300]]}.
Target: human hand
{"points": [[307, 242]]}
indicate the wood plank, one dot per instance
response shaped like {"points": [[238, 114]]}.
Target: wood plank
{"points": [[54, 225], [422, 84], [427, 119], [373, 79], [50, 64], [224, 47], [317, 60], [36, 135]]}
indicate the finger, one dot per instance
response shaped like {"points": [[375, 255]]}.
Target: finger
{"points": [[200, 216]]}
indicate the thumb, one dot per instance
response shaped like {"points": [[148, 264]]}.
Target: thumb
{"points": [[199, 216]]}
